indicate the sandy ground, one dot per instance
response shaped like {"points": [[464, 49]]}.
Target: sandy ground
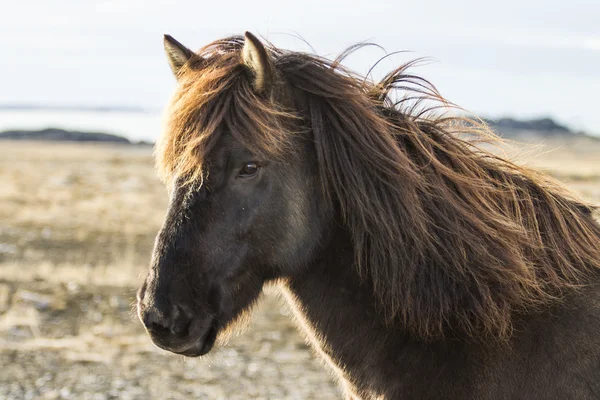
{"points": [[77, 227]]}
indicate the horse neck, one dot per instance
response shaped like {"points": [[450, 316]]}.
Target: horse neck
{"points": [[337, 313]]}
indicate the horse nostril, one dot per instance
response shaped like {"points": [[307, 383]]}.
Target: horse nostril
{"points": [[154, 319], [180, 322]]}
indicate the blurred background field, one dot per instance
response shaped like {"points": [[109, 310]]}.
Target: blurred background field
{"points": [[78, 224]]}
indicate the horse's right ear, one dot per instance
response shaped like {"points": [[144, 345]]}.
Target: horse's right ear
{"points": [[177, 54]]}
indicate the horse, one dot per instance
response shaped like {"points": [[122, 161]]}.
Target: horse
{"points": [[418, 264]]}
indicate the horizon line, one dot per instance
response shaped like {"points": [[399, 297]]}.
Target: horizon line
{"points": [[71, 107]]}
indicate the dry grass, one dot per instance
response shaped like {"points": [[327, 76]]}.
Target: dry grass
{"points": [[574, 162], [93, 187], [77, 207]]}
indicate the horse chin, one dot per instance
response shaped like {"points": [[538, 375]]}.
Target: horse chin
{"points": [[236, 325]]}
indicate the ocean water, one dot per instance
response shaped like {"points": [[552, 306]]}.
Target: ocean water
{"points": [[133, 125]]}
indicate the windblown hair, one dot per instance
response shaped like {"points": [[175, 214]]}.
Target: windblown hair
{"points": [[451, 237]]}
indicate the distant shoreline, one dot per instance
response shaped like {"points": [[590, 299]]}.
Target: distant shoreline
{"points": [[95, 117], [62, 135], [509, 128], [71, 108]]}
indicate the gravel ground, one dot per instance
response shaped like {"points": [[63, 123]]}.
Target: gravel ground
{"points": [[68, 341]]}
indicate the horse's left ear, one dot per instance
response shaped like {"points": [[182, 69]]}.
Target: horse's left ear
{"points": [[256, 58]]}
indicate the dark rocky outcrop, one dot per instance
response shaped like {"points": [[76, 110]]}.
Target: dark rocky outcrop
{"points": [[543, 127], [54, 134]]}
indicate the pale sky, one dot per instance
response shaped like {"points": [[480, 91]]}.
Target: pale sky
{"points": [[512, 57]]}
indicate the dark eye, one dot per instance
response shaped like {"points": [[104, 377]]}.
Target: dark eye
{"points": [[248, 170]]}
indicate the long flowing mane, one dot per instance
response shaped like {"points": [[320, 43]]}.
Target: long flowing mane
{"points": [[451, 237]]}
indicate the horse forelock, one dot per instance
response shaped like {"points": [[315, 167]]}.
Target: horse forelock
{"points": [[451, 237]]}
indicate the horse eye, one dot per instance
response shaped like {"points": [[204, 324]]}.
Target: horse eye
{"points": [[249, 169]]}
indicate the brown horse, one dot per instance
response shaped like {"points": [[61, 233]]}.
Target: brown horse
{"points": [[418, 265]]}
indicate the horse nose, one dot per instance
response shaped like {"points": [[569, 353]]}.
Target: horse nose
{"points": [[170, 318]]}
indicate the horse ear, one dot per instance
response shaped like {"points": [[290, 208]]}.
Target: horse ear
{"points": [[256, 58], [177, 54]]}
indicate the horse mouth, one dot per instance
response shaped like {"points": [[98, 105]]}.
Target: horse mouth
{"points": [[193, 344], [203, 345]]}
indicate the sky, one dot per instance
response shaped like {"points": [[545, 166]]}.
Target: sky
{"points": [[523, 58]]}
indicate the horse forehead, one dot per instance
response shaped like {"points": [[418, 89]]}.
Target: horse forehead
{"points": [[227, 148]]}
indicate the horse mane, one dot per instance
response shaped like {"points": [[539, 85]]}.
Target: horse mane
{"points": [[451, 237]]}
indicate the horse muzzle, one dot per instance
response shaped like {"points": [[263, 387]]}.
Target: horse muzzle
{"points": [[175, 327]]}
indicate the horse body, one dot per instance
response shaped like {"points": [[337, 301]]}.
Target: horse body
{"points": [[417, 265], [553, 355]]}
